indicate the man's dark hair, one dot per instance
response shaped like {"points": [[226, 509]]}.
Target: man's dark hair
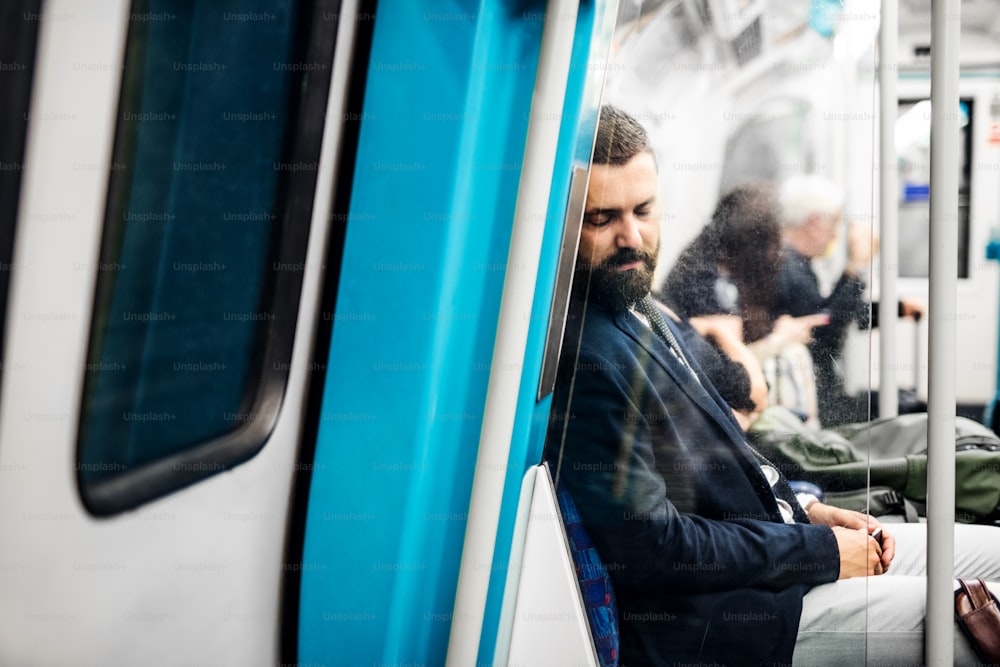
{"points": [[743, 238], [619, 137]]}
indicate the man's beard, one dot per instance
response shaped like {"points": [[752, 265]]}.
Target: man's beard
{"points": [[616, 289]]}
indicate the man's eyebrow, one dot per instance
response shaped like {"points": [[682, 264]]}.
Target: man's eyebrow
{"points": [[612, 211], [589, 213]]}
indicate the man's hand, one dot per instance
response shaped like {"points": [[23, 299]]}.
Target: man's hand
{"points": [[860, 553], [853, 532]]}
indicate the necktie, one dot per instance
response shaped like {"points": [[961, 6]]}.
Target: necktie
{"points": [[647, 307]]}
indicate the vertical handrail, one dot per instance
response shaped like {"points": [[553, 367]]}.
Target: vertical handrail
{"points": [[939, 627], [888, 59]]}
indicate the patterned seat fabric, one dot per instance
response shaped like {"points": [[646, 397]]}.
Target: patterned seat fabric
{"points": [[595, 584]]}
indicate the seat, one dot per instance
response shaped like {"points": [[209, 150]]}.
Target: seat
{"points": [[595, 583]]}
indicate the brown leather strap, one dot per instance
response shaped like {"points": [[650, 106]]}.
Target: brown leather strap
{"points": [[979, 616], [977, 592]]}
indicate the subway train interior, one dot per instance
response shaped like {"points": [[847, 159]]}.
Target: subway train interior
{"points": [[283, 286]]}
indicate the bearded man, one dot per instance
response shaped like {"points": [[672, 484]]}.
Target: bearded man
{"points": [[713, 558]]}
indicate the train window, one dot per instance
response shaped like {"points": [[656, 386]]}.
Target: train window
{"points": [[206, 224], [913, 145]]}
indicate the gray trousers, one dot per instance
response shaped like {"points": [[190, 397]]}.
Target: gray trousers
{"points": [[880, 620]]}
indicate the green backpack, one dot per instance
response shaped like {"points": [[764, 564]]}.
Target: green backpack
{"points": [[881, 466]]}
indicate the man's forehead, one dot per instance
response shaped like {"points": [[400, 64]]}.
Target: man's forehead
{"points": [[636, 179], [642, 159]]}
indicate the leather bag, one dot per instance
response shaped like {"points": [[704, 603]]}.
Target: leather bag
{"points": [[978, 613]]}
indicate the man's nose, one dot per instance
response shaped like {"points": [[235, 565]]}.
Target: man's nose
{"points": [[628, 232]]}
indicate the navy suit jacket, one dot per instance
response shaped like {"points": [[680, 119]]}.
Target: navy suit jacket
{"points": [[704, 568]]}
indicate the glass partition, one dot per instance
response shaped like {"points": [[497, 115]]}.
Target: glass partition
{"points": [[757, 224], [761, 117]]}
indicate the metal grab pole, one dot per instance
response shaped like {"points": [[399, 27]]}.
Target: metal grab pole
{"points": [[888, 393], [939, 628]]}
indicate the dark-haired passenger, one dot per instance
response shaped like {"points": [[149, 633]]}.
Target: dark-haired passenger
{"points": [[730, 270]]}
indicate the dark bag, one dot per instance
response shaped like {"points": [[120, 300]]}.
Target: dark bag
{"points": [[877, 501], [890, 453], [978, 613]]}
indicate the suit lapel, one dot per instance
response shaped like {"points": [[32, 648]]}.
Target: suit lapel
{"points": [[699, 392], [703, 394]]}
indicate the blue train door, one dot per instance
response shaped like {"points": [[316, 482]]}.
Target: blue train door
{"points": [[473, 119]]}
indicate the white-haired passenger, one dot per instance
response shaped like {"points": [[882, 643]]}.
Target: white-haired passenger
{"points": [[811, 211]]}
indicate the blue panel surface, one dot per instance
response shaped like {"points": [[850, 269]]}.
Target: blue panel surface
{"points": [[445, 115], [595, 22]]}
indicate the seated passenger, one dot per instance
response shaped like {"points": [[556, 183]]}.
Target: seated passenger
{"points": [[713, 558], [731, 268], [724, 269], [811, 215]]}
